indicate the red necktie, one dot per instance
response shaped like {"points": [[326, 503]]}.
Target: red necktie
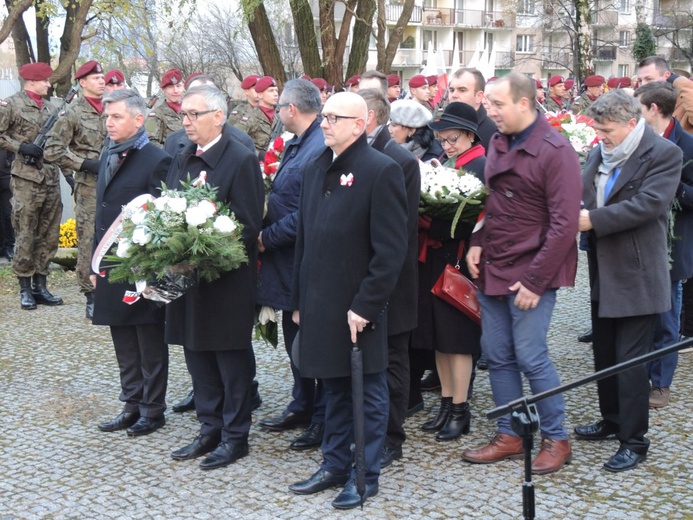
{"points": [[199, 152]]}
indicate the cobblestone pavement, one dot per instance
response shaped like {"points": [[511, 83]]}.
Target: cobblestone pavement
{"points": [[58, 379]]}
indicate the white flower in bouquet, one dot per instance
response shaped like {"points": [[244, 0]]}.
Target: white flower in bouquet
{"points": [[208, 207], [141, 235], [224, 224], [173, 204], [123, 249], [195, 216], [138, 216]]}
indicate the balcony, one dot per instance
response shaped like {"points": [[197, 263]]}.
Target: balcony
{"points": [[604, 18], [556, 60], [504, 60], [393, 12], [438, 16], [672, 20], [408, 58], [606, 53], [474, 18]]}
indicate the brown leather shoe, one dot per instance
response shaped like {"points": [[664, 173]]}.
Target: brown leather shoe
{"points": [[552, 456], [502, 446]]}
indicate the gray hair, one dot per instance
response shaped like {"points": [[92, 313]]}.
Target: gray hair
{"points": [[616, 106], [377, 102], [302, 94], [214, 98], [376, 74], [134, 103]]}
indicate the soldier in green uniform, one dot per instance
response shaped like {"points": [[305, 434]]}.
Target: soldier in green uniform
{"points": [[239, 114], [36, 204], [420, 91], [594, 87], [164, 119], [554, 101], [261, 119], [75, 144]]}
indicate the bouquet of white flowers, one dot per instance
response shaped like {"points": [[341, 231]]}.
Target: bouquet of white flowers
{"points": [[171, 241], [450, 194]]}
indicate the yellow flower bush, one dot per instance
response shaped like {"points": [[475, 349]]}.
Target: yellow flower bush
{"points": [[68, 233]]}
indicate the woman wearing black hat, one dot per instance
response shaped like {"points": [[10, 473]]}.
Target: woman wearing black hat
{"points": [[455, 338]]}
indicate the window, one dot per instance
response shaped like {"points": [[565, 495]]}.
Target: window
{"points": [[525, 43], [526, 7], [624, 6], [488, 41], [624, 71], [430, 40], [430, 4], [624, 38]]}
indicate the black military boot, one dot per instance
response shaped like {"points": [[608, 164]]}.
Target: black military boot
{"points": [[41, 295], [25, 296], [89, 313]]}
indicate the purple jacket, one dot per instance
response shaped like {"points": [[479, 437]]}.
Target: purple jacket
{"points": [[532, 213]]}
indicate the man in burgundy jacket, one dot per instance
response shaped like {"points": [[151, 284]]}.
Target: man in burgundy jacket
{"points": [[524, 252]]}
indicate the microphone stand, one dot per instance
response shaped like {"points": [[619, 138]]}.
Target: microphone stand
{"points": [[525, 419]]}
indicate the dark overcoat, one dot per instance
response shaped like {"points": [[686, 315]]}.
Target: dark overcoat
{"points": [[682, 245], [628, 260], [351, 241], [402, 311], [141, 171], [219, 315]]}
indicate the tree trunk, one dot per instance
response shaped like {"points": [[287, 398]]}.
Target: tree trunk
{"points": [[43, 51], [360, 41], [15, 10], [306, 38], [584, 41], [267, 51], [388, 55], [70, 43], [23, 50]]}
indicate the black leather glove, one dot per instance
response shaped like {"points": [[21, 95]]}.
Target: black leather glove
{"points": [[71, 182], [91, 166], [31, 150]]}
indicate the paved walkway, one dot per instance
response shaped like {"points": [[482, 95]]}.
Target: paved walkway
{"points": [[58, 379]]}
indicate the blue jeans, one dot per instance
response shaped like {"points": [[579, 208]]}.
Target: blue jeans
{"points": [[514, 342], [667, 333]]}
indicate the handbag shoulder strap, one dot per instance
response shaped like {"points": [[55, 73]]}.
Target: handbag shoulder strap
{"points": [[460, 254]]}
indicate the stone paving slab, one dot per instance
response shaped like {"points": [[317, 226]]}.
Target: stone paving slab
{"points": [[59, 378]]}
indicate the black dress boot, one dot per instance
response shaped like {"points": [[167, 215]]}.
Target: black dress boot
{"points": [[89, 313], [25, 296], [41, 294], [457, 423], [439, 420]]}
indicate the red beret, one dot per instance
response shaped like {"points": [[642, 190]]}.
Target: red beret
{"points": [[418, 81], [555, 80], [36, 71], [90, 67], [538, 82], [250, 81], [594, 81], [569, 83], [115, 77], [392, 80], [353, 80], [432, 80], [306, 76], [625, 81], [614, 82], [264, 83], [171, 77], [320, 83], [491, 79], [191, 78]]}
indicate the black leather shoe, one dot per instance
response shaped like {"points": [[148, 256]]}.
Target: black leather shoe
{"points": [[224, 454], [89, 309], [26, 298], [624, 460], [389, 456], [286, 421], [319, 481], [597, 431], [146, 425], [121, 422], [482, 363], [585, 337], [255, 401], [416, 408], [41, 294], [349, 497], [202, 445], [186, 404], [311, 438], [430, 383]]}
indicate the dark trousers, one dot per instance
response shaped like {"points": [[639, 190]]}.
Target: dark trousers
{"points": [[142, 358], [398, 387], [6, 230], [222, 382], [307, 394], [339, 424], [624, 398], [687, 309], [420, 360]]}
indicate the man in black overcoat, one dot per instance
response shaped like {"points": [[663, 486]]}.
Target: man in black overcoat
{"points": [[402, 312], [351, 242], [214, 320], [130, 166]]}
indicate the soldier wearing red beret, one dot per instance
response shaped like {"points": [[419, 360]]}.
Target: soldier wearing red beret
{"points": [[262, 120], [352, 84], [554, 102], [323, 87], [164, 119], [240, 114], [115, 80], [394, 87], [594, 87], [420, 91], [75, 144], [36, 208]]}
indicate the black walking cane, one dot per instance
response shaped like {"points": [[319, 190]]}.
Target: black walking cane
{"points": [[359, 419]]}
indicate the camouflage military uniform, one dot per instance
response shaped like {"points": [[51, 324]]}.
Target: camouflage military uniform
{"points": [[552, 106], [581, 104], [79, 135], [36, 204], [161, 123], [259, 129], [240, 115]]}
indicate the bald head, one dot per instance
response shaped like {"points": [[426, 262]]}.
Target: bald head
{"points": [[344, 120]]}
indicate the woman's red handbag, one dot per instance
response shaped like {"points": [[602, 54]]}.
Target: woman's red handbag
{"points": [[455, 288]]}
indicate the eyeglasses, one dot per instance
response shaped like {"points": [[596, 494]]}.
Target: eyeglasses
{"points": [[282, 105], [332, 118], [450, 140], [193, 115]]}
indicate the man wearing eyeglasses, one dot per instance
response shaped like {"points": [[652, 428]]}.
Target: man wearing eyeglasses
{"points": [[350, 245], [214, 320]]}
